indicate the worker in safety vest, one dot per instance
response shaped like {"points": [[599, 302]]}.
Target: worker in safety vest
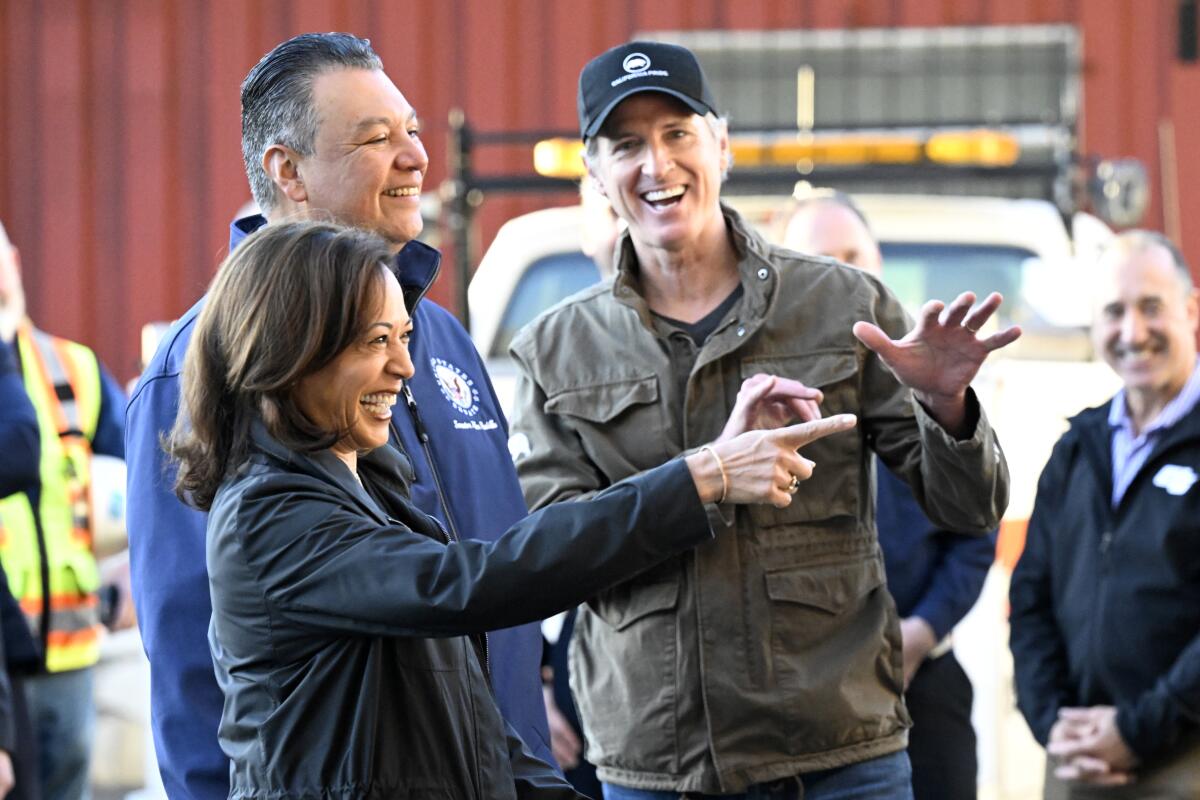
{"points": [[45, 532]]}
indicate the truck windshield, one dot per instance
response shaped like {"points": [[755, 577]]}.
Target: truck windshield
{"points": [[918, 272], [547, 281]]}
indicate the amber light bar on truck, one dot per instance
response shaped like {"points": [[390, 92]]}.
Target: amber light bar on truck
{"points": [[562, 157]]}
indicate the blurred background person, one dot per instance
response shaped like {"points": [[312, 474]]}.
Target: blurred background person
{"points": [[46, 549], [19, 656], [934, 575], [1106, 596]]}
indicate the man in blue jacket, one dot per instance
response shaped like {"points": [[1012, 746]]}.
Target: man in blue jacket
{"points": [[1106, 597], [935, 576], [324, 133]]}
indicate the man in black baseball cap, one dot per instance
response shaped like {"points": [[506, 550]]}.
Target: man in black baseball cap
{"points": [[640, 67], [767, 662]]}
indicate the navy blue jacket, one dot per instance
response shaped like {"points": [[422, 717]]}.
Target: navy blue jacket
{"points": [[932, 573], [1106, 602], [464, 478]]}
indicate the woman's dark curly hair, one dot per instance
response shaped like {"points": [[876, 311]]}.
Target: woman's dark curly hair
{"points": [[284, 304]]}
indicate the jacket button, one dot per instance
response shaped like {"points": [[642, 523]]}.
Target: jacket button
{"points": [[741, 330], [762, 273]]}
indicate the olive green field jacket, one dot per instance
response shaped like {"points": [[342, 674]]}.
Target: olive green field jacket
{"points": [[774, 649]]}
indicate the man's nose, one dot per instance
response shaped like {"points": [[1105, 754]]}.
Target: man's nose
{"points": [[1133, 327], [656, 159], [412, 156]]}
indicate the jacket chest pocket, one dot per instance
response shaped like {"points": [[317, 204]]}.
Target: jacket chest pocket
{"points": [[833, 490], [621, 424]]}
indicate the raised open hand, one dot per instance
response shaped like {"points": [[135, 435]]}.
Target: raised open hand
{"points": [[940, 357], [767, 401]]}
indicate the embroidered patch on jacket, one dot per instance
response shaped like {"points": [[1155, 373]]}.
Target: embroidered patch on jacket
{"points": [[457, 387], [1175, 479]]}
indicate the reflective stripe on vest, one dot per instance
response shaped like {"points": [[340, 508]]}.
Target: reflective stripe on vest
{"points": [[63, 382]]}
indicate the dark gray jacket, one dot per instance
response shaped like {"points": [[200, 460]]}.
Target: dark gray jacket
{"points": [[344, 626]]}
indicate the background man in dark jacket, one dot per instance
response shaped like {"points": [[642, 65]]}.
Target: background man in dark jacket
{"points": [[934, 575], [1106, 596], [324, 133]]}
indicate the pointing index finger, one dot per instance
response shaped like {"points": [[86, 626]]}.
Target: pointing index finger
{"points": [[796, 436]]}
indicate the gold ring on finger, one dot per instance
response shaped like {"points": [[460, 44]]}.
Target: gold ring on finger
{"points": [[794, 486]]}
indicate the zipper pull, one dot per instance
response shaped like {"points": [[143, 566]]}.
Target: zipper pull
{"points": [[416, 415]]}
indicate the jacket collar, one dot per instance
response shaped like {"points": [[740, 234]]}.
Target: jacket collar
{"points": [[1092, 429], [416, 266], [384, 464], [759, 276]]}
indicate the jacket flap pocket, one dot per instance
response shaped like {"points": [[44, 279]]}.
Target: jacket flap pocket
{"points": [[625, 604], [812, 369], [832, 589], [604, 402]]}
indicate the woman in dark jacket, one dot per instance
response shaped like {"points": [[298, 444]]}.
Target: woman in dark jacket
{"points": [[347, 625]]}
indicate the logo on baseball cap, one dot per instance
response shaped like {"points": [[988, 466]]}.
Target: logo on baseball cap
{"points": [[635, 67]]}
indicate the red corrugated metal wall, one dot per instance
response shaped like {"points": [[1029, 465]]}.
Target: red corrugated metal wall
{"points": [[119, 129]]}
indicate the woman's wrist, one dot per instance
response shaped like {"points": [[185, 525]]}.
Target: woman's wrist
{"points": [[709, 475]]}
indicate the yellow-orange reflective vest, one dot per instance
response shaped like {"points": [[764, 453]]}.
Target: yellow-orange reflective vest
{"points": [[53, 545]]}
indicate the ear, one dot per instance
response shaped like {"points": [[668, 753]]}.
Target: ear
{"points": [[726, 158], [597, 184], [282, 165]]}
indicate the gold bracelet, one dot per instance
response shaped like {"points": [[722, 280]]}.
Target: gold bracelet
{"points": [[720, 466]]}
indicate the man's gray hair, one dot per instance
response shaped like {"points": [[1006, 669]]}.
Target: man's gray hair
{"points": [[718, 126], [1138, 240], [277, 102]]}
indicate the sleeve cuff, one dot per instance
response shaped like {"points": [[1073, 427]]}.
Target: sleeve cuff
{"points": [[931, 427]]}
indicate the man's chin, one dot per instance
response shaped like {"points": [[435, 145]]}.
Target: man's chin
{"points": [[401, 234]]}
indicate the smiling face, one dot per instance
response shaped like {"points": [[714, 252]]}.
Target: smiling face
{"points": [[356, 391], [1146, 322], [660, 166], [368, 161]]}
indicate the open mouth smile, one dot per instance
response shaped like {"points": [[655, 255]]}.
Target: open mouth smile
{"points": [[378, 404], [665, 197]]}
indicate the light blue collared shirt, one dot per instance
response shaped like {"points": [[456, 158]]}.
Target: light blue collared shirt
{"points": [[1129, 452]]}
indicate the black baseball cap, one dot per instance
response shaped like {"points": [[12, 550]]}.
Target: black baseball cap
{"points": [[640, 67]]}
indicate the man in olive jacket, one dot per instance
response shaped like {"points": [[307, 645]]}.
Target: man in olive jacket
{"points": [[769, 659]]}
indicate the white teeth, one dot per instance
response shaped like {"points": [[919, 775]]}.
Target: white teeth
{"points": [[378, 403], [403, 191], [663, 194]]}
